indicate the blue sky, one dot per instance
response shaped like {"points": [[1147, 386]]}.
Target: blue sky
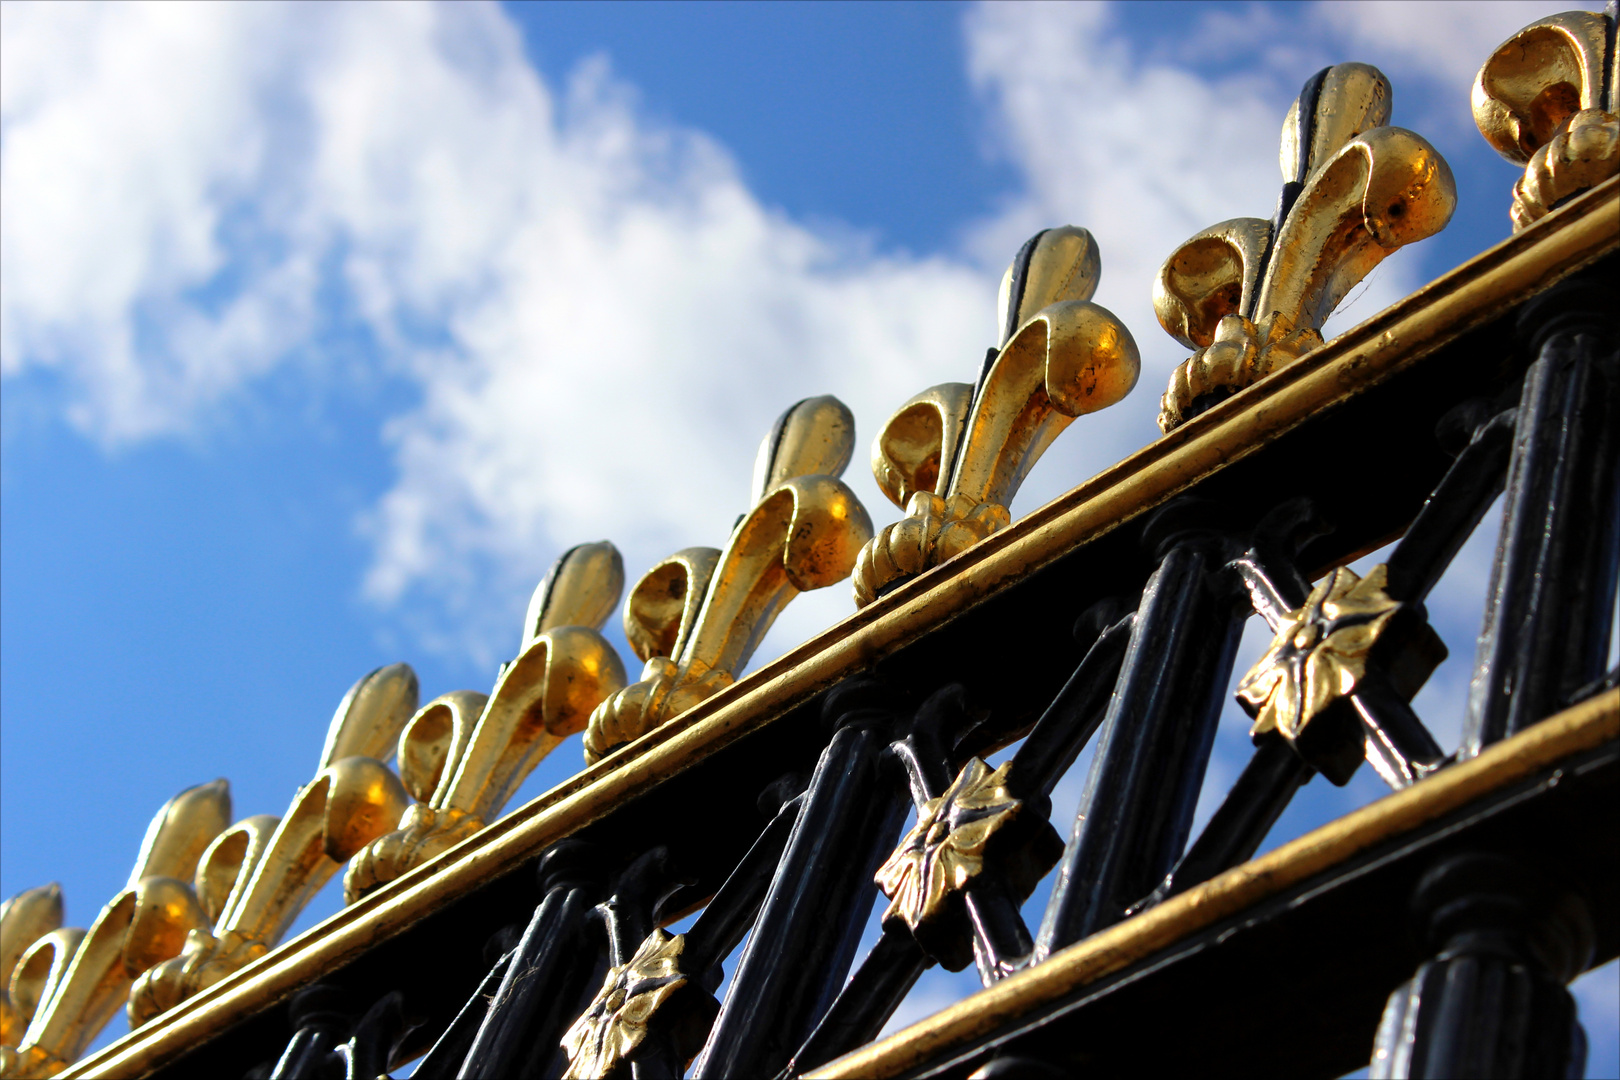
{"points": [[326, 328]]}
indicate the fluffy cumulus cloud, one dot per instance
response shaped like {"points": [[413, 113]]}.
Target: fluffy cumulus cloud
{"points": [[600, 319]]}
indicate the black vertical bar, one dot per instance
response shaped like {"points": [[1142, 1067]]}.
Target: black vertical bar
{"points": [[1553, 586], [1492, 1000], [807, 930], [320, 1020], [1143, 788], [444, 1059], [1262, 792], [370, 1050], [538, 996]]}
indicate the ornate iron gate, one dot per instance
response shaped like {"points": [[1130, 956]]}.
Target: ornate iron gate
{"points": [[1431, 932]]}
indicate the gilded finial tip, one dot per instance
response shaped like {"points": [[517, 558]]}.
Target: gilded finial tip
{"points": [[581, 589]]}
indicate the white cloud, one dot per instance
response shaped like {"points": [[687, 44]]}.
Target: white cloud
{"points": [[1446, 40], [601, 318]]}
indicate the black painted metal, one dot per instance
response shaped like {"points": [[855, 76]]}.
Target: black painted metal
{"points": [[371, 1048], [1149, 766], [554, 966], [809, 925], [1075, 714], [329, 1044], [1383, 728], [874, 991], [444, 1059], [1373, 722], [1240, 824], [1496, 941], [321, 1018], [984, 925], [1552, 589], [1450, 515], [1000, 940], [730, 915], [1018, 1068], [1491, 1002], [630, 914], [1295, 985]]}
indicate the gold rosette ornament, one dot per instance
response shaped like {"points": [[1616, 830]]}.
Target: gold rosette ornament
{"points": [[66, 984], [463, 754], [696, 618], [1319, 653], [945, 849], [259, 874], [600, 1042], [1541, 101], [976, 819], [1322, 652], [1251, 295], [954, 456]]}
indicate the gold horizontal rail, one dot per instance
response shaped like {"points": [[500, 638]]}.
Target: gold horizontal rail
{"points": [[1390, 342], [1582, 727]]}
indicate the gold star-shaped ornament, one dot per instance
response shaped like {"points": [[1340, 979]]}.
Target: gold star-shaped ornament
{"points": [[1319, 653], [616, 1021], [945, 850]]}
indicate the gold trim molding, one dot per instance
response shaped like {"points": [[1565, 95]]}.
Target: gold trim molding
{"points": [[1396, 339]]}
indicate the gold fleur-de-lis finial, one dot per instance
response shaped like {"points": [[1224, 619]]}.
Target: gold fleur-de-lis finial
{"points": [[953, 456], [66, 983], [1547, 99], [464, 754], [257, 875], [1251, 295], [24, 919], [697, 617]]}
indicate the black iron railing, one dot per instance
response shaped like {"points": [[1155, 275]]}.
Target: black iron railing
{"points": [[1458, 924], [1431, 933]]}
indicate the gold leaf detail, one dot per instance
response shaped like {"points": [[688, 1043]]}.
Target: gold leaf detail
{"points": [[1319, 653], [615, 1022], [945, 849]]}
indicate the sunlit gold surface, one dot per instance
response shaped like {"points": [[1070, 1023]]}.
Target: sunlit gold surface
{"points": [[41, 970], [615, 1022], [663, 607], [1319, 652], [463, 754], [954, 459], [24, 919], [918, 444], [1580, 157], [803, 533], [582, 589], [258, 875], [1210, 277], [1583, 727], [945, 849], [70, 982], [1390, 342], [1540, 101], [1368, 190], [1528, 89]]}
